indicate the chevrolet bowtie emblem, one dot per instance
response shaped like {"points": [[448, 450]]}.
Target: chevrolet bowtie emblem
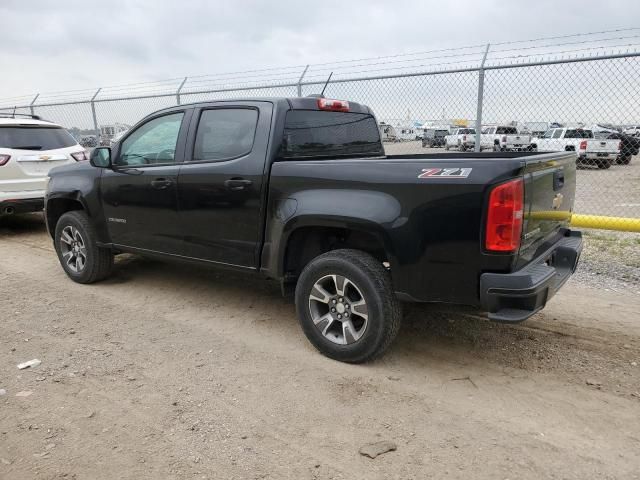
{"points": [[557, 201]]}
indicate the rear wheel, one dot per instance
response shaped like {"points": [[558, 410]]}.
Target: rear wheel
{"points": [[75, 243], [603, 164], [624, 160], [347, 307]]}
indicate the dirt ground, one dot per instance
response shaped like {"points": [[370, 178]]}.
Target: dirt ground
{"points": [[172, 372]]}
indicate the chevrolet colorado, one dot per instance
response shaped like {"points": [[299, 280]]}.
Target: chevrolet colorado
{"points": [[301, 191]]}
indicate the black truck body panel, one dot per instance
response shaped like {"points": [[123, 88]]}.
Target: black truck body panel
{"points": [[242, 212]]}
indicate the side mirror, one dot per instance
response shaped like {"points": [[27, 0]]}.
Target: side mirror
{"points": [[101, 157]]}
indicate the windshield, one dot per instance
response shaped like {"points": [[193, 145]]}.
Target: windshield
{"points": [[313, 133], [507, 131], [442, 133], [35, 137]]}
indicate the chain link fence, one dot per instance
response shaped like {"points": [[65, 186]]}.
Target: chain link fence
{"points": [[473, 101]]}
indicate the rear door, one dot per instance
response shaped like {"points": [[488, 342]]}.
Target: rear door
{"points": [[140, 193], [550, 182], [221, 181]]}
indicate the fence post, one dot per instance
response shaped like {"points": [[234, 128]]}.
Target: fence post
{"points": [[95, 119], [180, 89], [480, 99], [300, 80], [32, 102]]}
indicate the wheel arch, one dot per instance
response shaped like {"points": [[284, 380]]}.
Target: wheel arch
{"points": [[57, 206]]}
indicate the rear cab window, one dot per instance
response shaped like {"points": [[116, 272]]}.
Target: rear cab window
{"points": [[311, 134], [35, 137]]}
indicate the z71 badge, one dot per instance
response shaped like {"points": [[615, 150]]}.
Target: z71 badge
{"points": [[445, 172]]}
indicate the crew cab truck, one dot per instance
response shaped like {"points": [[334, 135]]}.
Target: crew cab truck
{"points": [[504, 139], [591, 151], [461, 138], [300, 190]]}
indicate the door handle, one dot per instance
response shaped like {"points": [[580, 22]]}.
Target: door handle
{"points": [[161, 183], [237, 183]]}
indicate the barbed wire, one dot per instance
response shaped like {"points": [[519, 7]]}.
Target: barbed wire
{"points": [[461, 56]]}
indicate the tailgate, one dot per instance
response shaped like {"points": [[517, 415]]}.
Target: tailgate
{"points": [[518, 139], [604, 146], [550, 183]]}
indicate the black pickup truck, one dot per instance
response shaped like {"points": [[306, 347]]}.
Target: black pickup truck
{"points": [[301, 191]]}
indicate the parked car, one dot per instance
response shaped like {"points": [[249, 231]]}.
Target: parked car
{"points": [[89, 141], [629, 146], [461, 138], [29, 148], [352, 231], [434, 137], [504, 139], [633, 131], [590, 151]]}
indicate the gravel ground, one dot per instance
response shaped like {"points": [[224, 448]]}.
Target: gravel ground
{"points": [[173, 372]]}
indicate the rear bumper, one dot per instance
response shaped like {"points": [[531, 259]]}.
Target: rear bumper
{"points": [[598, 155], [23, 205], [514, 297], [517, 147]]}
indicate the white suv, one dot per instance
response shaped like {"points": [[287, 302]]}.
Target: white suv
{"points": [[29, 148]]}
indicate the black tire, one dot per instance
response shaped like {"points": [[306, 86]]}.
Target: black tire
{"points": [[98, 262], [603, 164], [624, 160], [372, 282]]}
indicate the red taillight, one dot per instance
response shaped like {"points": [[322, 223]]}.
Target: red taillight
{"points": [[333, 105], [464, 138], [504, 217], [4, 159], [583, 145], [504, 139], [80, 156]]}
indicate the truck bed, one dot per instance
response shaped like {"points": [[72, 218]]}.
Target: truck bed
{"points": [[429, 210]]}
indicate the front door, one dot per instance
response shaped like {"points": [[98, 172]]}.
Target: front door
{"points": [[140, 193], [221, 182]]}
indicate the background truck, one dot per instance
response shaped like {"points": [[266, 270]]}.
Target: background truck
{"points": [[434, 137], [504, 139], [591, 151], [461, 138], [300, 190]]}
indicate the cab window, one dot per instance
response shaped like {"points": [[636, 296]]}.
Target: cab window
{"points": [[152, 143]]}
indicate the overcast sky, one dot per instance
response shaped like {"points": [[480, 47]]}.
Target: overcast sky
{"points": [[72, 44]]}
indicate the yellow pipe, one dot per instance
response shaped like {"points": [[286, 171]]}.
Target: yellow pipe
{"points": [[606, 223], [623, 224]]}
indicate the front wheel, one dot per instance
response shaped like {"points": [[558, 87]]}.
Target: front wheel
{"points": [[347, 307], [75, 243]]}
